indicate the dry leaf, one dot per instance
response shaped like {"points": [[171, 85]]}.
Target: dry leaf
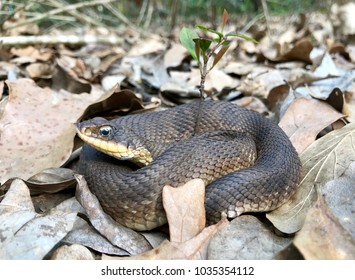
{"points": [[329, 230], [153, 44], [37, 128], [191, 249], [42, 231], [174, 56], [245, 238], [16, 209], [323, 235], [216, 80], [117, 101], [302, 124], [261, 82], [326, 159], [300, 51], [34, 53], [184, 207], [86, 235], [122, 237], [39, 70], [72, 252]]}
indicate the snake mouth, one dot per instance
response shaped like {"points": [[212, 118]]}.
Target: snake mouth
{"points": [[139, 156], [109, 147]]}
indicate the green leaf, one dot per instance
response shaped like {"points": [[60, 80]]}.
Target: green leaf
{"points": [[220, 35], [203, 43], [242, 37], [187, 37]]}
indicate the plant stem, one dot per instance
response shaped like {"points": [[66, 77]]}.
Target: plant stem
{"points": [[205, 71]]}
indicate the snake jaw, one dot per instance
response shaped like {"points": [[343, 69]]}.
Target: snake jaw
{"points": [[138, 155]]}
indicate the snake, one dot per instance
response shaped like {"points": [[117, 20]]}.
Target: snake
{"points": [[245, 159]]}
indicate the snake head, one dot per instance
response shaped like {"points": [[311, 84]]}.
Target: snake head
{"points": [[111, 139]]}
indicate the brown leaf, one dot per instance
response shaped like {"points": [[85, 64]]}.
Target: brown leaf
{"points": [[189, 250], [174, 56], [323, 236], [153, 44], [302, 124], [86, 235], [220, 54], [245, 238], [16, 209], [120, 236], [37, 128], [38, 54], [25, 230], [185, 210], [215, 80], [300, 51], [72, 252], [326, 159], [115, 102], [39, 70], [261, 81]]}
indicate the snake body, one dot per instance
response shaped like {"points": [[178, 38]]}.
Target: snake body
{"points": [[246, 160]]}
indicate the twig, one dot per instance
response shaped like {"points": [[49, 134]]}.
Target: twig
{"points": [[60, 39], [142, 12], [59, 10], [120, 16], [80, 16], [267, 17], [252, 22], [149, 14]]}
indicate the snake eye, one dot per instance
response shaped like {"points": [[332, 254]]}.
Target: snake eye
{"points": [[106, 131]]}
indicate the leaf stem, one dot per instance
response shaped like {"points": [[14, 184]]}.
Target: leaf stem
{"points": [[205, 71]]}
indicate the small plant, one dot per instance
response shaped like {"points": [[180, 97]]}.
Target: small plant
{"points": [[203, 49]]}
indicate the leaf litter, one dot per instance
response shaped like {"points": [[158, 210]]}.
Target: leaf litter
{"points": [[307, 84]]}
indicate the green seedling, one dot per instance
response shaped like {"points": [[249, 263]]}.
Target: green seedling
{"points": [[203, 50]]}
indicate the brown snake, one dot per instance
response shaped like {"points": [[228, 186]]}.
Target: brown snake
{"points": [[246, 160]]}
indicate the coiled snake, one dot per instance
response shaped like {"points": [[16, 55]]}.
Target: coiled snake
{"points": [[246, 160]]}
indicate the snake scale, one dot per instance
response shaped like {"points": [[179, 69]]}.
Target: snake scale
{"points": [[245, 159]]}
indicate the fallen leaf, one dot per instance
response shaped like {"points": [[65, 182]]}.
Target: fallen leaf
{"points": [[324, 160], [329, 229], [174, 56], [31, 142], [189, 250], [185, 210], [153, 44], [72, 252], [41, 54], [130, 241], [184, 207], [300, 51], [86, 235], [116, 102], [302, 125], [217, 80], [16, 209], [41, 231], [260, 84], [39, 70], [245, 238]]}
